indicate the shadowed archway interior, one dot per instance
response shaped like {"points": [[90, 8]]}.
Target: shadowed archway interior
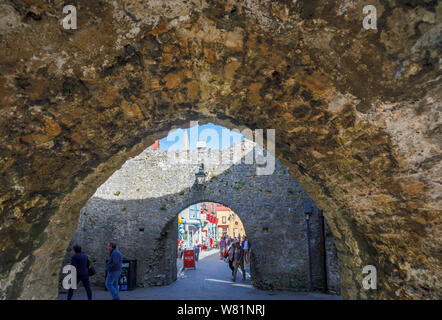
{"points": [[138, 207], [356, 113]]}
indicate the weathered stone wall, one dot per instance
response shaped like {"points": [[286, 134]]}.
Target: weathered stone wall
{"points": [[332, 263], [357, 114], [138, 207]]}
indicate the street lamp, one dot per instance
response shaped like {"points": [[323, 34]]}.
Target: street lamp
{"points": [[323, 250], [308, 210], [200, 175]]}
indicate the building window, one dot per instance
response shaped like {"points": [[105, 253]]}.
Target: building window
{"points": [[224, 219]]}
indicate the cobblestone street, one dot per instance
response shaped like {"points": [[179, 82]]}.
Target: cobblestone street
{"points": [[211, 280]]}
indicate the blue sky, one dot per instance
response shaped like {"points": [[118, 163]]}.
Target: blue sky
{"points": [[210, 133]]}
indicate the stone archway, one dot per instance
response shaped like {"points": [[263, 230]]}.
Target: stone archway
{"points": [[356, 113], [138, 207]]}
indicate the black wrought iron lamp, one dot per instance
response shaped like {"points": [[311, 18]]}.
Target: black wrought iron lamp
{"points": [[200, 175], [308, 211]]}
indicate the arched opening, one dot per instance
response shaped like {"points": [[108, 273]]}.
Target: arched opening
{"points": [[356, 113], [139, 205], [210, 230], [205, 224]]}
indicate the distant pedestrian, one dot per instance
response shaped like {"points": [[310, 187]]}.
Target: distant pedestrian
{"points": [[196, 250], [238, 261], [113, 269], [246, 247], [183, 248], [81, 263], [226, 250], [222, 248], [230, 253]]}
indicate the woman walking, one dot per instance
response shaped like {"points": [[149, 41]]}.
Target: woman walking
{"points": [[230, 251], [222, 247]]}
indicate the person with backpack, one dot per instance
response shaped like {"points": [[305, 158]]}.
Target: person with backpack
{"points": [[82, 264]]}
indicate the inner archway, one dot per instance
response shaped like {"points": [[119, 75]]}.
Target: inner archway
{"points": [[211, 229]]}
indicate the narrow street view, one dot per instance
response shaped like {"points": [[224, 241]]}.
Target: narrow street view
{"points": [[211, 280], [209, 225]]}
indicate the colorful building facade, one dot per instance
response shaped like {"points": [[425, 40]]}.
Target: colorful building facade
{"points": [[229, 224], [197, 225]]}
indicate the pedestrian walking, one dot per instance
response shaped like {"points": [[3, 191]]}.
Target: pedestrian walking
{"points": [[226, 250], [196, 250], [246, 247], [81, 263], [222, 247], [113, 269], [238, 261], [229, 254]]}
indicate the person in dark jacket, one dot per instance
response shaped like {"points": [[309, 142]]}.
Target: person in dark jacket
{"points": [[229, 254], [113, 269], [81, 263], [238, 260]]}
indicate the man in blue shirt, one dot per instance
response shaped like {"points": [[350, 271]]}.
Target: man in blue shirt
{"points": [[113, 269]]}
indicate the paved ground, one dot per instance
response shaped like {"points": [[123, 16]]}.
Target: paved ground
{"points": [[211, 280]]}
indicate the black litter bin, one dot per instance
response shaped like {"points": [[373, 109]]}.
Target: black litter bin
{"points": [[128, 277]]}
